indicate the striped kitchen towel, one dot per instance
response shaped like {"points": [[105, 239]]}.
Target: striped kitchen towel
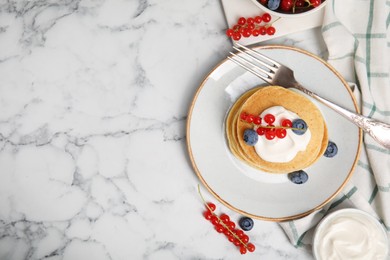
{"points": [[357, 36]]}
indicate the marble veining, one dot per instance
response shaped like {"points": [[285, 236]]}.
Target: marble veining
{"points": [[94, 98]]}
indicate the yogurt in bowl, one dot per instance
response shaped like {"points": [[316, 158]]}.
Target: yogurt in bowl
{"points": [[350, 234]]}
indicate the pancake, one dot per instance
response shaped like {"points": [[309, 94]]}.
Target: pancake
{"points": [[257, 100]]}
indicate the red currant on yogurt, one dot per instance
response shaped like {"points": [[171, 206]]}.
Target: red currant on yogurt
{"points": [[286, 123], [269, 118], [260, 131], [270, 133], [281, 133]]}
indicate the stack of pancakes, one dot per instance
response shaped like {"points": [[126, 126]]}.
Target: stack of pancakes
{"points": [[254, 102]]}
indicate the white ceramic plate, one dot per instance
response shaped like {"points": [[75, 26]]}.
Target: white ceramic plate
{"points": [[246, 190]]}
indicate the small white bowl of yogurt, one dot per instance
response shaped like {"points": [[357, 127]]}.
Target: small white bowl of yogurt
{"points": [[350, 234]]}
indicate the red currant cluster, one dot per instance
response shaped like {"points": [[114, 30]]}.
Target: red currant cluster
{"points": [[251, 26], [223, 224], [270, 131], [291, 6]]}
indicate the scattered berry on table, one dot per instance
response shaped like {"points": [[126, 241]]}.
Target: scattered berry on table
{"points": [[246, 223]]}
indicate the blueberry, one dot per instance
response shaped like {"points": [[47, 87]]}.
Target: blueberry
{"points": [[300, 124], [298, 177], [273, 4], [331, 150], [246, 223], [250, 137]]}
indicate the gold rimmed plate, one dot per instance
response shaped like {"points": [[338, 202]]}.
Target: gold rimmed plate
{"points": [[247, 190]]}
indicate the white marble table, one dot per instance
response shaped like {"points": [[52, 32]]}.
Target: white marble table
{"points": [[93, 103]]}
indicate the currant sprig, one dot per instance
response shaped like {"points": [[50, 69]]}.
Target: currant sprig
{"points": [[270, 131], [252, 26], [223, 224]]}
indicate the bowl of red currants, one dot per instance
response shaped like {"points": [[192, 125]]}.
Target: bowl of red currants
{"points": [[290, 8]]}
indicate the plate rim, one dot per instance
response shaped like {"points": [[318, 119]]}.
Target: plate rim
{"points": [[227, 204]]}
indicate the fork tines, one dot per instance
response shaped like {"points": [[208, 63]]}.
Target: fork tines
{"points": [[254, 62]]}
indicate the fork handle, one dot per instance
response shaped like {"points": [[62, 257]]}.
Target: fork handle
{"points": [[378, 130]]}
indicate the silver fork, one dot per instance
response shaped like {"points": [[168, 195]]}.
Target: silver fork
{"points": [[277, 74]]}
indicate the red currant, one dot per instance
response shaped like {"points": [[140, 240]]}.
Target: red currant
{"points": [[270, 134], [255, 32], [240, 233], [241, 21], [211, 206], [269, 118], [258, 19], [286, 5], [266, 17], [243, 250], [245, 238], [246, 33], [243, 115], [250, 20], [207, 214], [281, 133], [271, 30], [315, 3], [214, 220], [261, 131], [219, 228], [263, 2], [286, 123], [229, 32], [236, 36], [262, 30], [231, 225], [250, 118], [257, 120], [231, 238], [227, 233], [236, 242], [225, 218], [300, 3], [251, 247]]}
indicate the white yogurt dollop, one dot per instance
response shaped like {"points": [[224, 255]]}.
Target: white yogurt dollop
{"points": [[351, 236], [285, 149]]}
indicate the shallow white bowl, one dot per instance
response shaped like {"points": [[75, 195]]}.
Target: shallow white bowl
{"points": [[274, 13], [361, 218]]}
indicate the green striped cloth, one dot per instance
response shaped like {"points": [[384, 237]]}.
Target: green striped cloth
{"points": [[357, 36]]}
